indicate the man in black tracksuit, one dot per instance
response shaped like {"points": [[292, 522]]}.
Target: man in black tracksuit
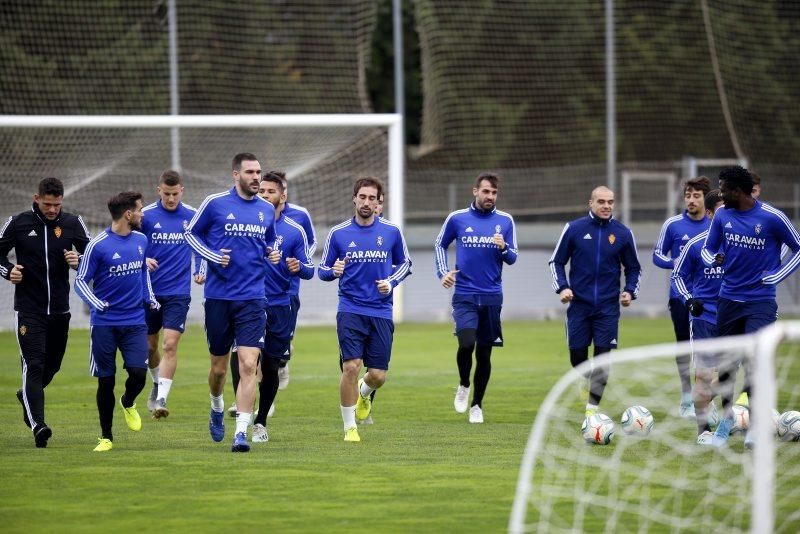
{"points": [[43, 239]]}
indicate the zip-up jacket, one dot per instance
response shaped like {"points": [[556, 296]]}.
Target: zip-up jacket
{"points": [[39, 245], [597, 250]]}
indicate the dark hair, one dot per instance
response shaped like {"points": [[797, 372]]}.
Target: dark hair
{"points": [[737, 177], [122, 202], [756, 177], [490, 177], [170, 178], [274, 178], [239, 158], [701, 183], [712, 198], [51, 186], [282, 176], [368, 181]]}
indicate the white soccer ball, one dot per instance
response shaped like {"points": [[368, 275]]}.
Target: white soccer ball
{"points": [[789, 426], [637, 421], [741, 419], [598, 429]]}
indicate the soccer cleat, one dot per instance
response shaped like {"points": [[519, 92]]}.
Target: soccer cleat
{"points": [[240, 443], [722, 432], [271, 411], [260, 434], [283, 376], [151, 400], [161, 410], [706, 438], [363, 404], [367, 421], [351, 434], [460, 403], [132, 418], [475, 414], [233, 410], [41, 435], [687, 410], [216, 426], [103, 445], [743, 400], [24, 411]]}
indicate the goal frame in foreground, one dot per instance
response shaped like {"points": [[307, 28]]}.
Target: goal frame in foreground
{"points": [[764, 344]]}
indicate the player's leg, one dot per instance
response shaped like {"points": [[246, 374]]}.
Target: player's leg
{"points": [[219, 336], [353, 332], [174, 311], [703, 393], [605, 326], [32, 338], [267, 390], [55, 346], [155, 321], [277, 341], [578, 326], [234, 364], [102, 364], [283, 371], [132, 342], [759, 316], [465, 316], [488, 335], [680, 323], [377, 355], [250, 323], [731, 317]]}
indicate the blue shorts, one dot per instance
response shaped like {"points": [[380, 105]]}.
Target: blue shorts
{"points": [[734, 318], [482, 314], [234, 321], [172, 314], [104, 341], [680, 319], [294, 301], [366, 338], [279, 332], [701, 329], [586, 323]]}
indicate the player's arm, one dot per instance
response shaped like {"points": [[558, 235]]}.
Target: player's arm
{"points": [[662, 252], [86, 272], [632, 267], [443, 240], [401, 261], [710, 253], [147, 290], [509, 253], [559, 259], [790, 237], [7, 242], [681, 279], [330, 259], [300, 258], [311, 235], [196, 230], [79, 242]]}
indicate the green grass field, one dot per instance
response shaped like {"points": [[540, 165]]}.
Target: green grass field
{"points": [[420, 467]]}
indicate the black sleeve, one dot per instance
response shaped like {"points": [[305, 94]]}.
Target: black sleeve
{"points": [[82, 236], [7, 242]]}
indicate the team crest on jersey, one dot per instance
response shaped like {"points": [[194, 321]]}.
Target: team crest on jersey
{"points": [[261, 216], [758, 229], [185, 224], [23, 330], [497, 229], [140, 250], [57, 231], [380, 240], [612, 238], [278, 241]]}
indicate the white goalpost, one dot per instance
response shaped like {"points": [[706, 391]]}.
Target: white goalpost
{"points": [[98, 155], [665, 480]]}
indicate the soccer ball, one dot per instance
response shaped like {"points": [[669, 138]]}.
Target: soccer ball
{"points": [[741, 419], [789, 426], [598, 429], [637, 421]]}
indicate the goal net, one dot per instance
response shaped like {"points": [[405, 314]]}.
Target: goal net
{"points": [[665, 481]]}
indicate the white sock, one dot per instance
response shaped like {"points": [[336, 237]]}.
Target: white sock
{"points": [[591, 406], [348, 416], [217, 404], [154, 373], [242, 422], [163, 388], [365, 389]]}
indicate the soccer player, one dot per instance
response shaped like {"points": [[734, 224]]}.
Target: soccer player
{"points": [[368, 256], [698, 287], [289, 259], [485, 239], [43, 239], [232, 230], [169, 260], [115, 263], [745, 239], [675, 233], [597, 247]]}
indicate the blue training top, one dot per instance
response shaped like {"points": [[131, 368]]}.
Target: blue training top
{"points": [[291, 241], [693, 279], [301, 216], [675, 234]]}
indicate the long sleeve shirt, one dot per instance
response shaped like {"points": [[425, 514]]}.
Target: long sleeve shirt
{"points": [[291, 241], [675, 234], [691, 278], [301, 216]]}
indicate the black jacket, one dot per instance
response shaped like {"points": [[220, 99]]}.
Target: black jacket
{"points": [[39, 244]]}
